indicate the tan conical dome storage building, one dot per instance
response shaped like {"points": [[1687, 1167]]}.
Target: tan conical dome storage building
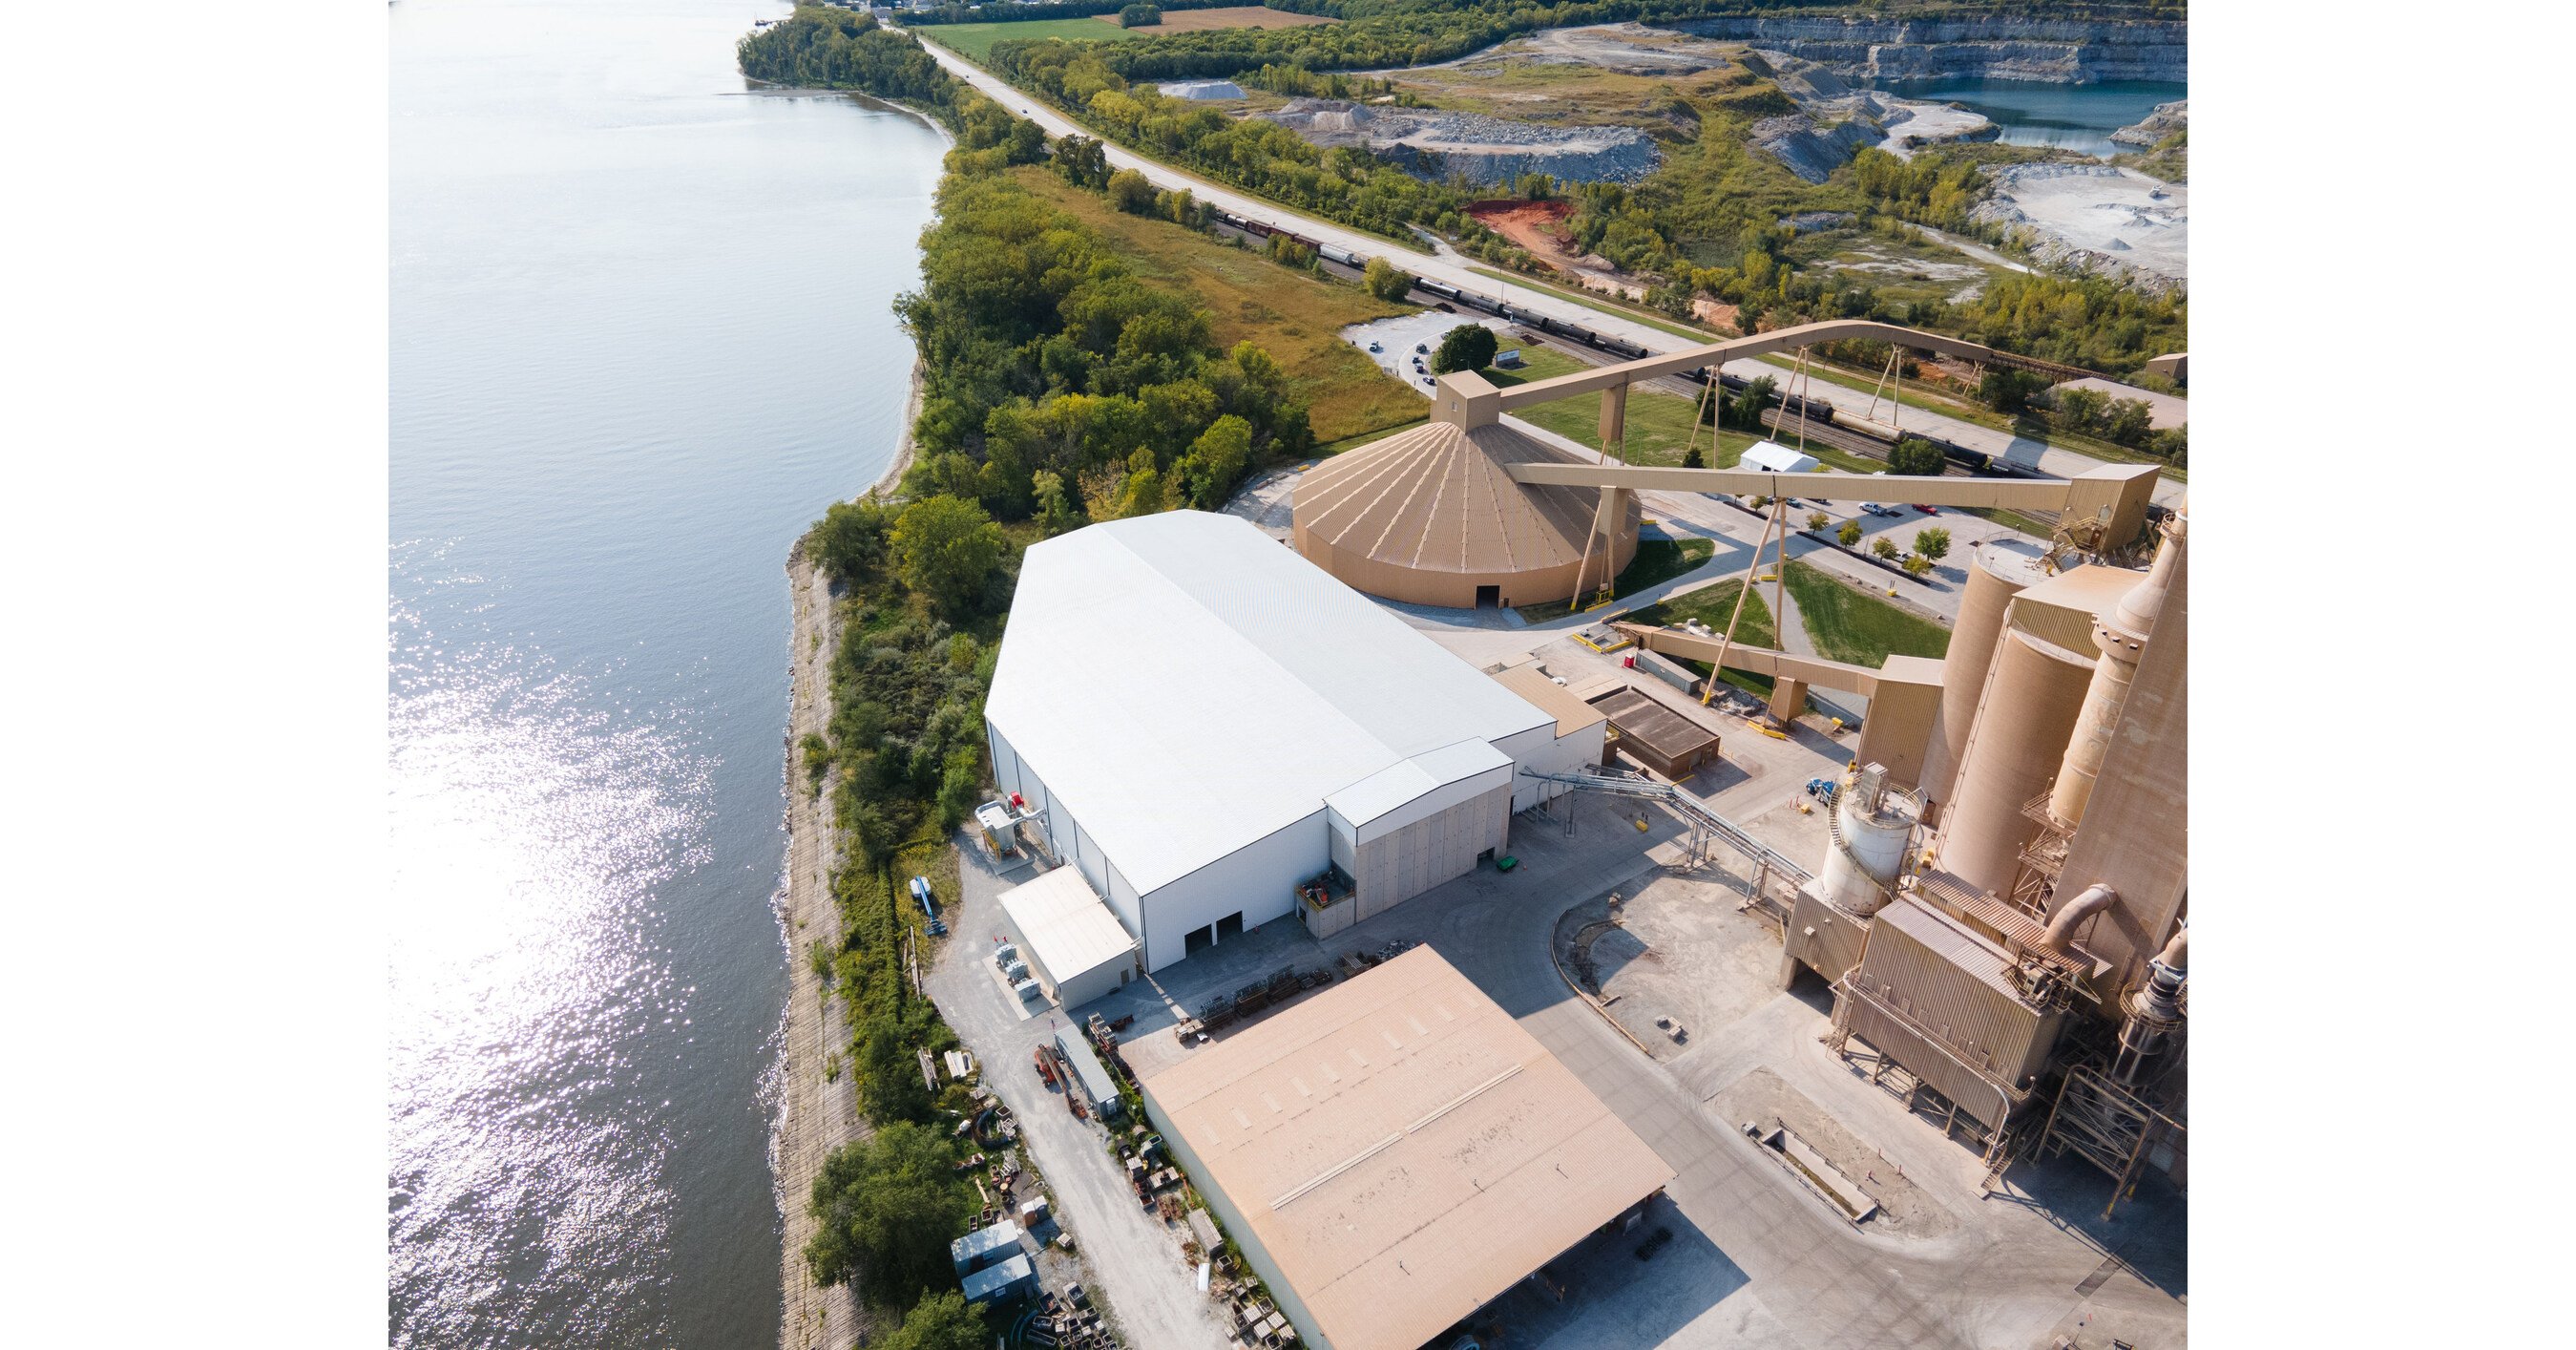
{"points": [[1431, 516]]}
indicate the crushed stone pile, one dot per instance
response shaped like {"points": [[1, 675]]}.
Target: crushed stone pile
{"points": [[1486, 149], [1810, 151]]}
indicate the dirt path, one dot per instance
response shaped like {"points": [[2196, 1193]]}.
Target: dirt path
{"points": [[815, 1116]]}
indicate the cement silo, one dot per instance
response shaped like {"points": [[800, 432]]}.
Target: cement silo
{"points": [[2121, 637], [1998, 569], [2034, 690]]}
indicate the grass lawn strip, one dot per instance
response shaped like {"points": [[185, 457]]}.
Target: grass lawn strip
{"points": [[1713, 605], [1857, 629], [1657, 561]]}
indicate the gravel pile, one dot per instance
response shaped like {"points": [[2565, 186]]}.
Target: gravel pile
{"points": [[1492, 150]]}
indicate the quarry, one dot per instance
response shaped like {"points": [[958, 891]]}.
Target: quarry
{"points": [[1485, 149]]}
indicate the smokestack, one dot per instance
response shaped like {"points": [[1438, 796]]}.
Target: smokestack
{"points": [[2122, 637]]}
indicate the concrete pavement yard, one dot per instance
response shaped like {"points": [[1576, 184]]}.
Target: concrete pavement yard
{"points": [[1756, 1259], [1145, 1288]]}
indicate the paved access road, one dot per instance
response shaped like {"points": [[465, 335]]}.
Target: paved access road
{"points": [[1453, 268]]}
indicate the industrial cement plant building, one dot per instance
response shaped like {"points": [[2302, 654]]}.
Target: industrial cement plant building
{"points": [[1396, 1151], [1195, 719]]}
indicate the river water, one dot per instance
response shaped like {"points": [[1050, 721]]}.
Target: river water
{"points": [[641, 336], [2077, 117]]}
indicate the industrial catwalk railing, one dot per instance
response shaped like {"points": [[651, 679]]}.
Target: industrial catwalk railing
{"points": [[1628, 783]]}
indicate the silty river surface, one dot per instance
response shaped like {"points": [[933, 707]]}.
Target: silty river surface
{"points": [[641, 336]]}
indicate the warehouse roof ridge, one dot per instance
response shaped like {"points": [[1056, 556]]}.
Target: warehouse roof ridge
{"points": [[1190, 685]]}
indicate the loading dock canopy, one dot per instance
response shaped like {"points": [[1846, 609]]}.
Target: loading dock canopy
{"points": [[1066, 931]]}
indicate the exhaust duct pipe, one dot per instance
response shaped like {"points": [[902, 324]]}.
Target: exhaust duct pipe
{"points": [[2059, 937]]}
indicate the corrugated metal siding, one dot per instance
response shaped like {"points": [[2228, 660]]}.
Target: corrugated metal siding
{"points": [[1957, 987], [1835, 946]]}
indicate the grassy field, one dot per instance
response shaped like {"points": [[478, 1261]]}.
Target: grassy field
{"points": [[1292, 314], [1232, 16], [1657, 561], [974, 41], [1659, 425], [1859, 629], [1363, 438], [1713, 605]]}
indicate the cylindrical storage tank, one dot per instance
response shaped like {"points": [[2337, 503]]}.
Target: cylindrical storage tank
{"points": [[1998, 570], [2034, 689], [1856, 874]]}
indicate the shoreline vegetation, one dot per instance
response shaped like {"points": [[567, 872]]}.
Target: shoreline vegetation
{"points": [[1063, 376]]}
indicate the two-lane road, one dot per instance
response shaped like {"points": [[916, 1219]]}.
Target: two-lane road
{"points": [[1452, 268]]}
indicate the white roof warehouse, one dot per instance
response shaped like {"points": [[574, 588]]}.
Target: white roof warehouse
{"points": [[1202, 719]]}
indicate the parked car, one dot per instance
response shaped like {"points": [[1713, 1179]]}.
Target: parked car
{"points": [[1423, 347], [1377, 346], [1927, 510]]}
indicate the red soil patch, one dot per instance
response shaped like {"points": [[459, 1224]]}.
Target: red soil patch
{"points": [[1534, 226]]}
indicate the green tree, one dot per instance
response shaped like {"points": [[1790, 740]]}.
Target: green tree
{"points": [[1817, 520], [960, 783], [1884, 547], [941, 1321], [849, 539], [1750, 403], [1386, 281], [1469, 346], [1916, 459], [1538, 187], [888, 1207], [1916, 565], [1215, 460], [1129, 192], [2128, 421], [947, 547], [1694, 458], [2007, 390], [1082, 162], [1849, 534], [2077, 409], [1140, 16], [1056, 508], [889, 1076], [1932, 543]]}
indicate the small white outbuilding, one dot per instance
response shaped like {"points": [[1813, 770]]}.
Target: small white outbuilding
{"points": [[1076, 948], [1773, 457]]}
